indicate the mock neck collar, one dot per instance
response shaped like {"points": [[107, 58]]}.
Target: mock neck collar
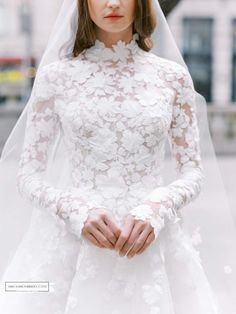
{"points": [[120, 51]]}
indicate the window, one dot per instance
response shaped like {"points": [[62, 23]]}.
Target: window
{"points": [[234, 62], [197, 52]]}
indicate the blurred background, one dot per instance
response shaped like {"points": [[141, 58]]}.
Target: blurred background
{"points": [[205, 32]]}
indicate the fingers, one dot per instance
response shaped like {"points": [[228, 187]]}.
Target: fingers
{"points": [[102, 239], [98, 224], [134, 237], [103, 231], [112, 226], [125, 233], [90, 237], [149, 239], [107, 232]]}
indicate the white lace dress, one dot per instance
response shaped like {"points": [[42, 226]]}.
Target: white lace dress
{"points": [[115, 108]]}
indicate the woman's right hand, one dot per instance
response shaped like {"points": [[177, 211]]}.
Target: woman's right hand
{"points": [[101, 229]]}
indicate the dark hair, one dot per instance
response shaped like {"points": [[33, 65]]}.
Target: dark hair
{"points": [[144, 24]]}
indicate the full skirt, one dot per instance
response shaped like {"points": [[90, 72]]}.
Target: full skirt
{"points": [[167, 278]]}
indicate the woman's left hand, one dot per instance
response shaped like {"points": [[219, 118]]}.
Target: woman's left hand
{"points": [[135, 237]]}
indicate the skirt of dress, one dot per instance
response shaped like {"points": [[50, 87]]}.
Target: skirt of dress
{"points": [[167, 278]]}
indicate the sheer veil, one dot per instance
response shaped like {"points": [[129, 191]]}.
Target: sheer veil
{"points": [[208, 220]]}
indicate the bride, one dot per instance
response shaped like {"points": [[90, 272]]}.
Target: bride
{"points": [[109, 239]]}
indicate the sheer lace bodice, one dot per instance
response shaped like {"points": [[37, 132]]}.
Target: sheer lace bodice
{"points": [[114, 108]]}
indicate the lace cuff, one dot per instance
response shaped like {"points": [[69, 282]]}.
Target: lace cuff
{"points": [[74, 210], [76, 213], [163, 203], [158, 214], [67, 206], [144, 212]]}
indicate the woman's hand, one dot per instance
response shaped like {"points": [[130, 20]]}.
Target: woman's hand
{"points": [[101, 229], [135, 237]]}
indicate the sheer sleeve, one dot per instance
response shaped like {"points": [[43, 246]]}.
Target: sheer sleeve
{"points": [[42, 129], [163, 203]]}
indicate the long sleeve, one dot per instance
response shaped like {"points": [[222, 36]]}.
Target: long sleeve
{"points": [[42, 129], [164, 202]]}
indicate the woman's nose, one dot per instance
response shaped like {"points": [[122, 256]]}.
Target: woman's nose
{"points": [[113, 3]]}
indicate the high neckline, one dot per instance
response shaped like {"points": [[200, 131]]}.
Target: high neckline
{"points": [[120, 51]]}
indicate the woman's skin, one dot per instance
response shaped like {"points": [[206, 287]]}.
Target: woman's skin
{"points": [[100, 227], [108, 30]]}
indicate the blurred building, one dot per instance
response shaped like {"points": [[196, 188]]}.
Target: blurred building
{"points": [[205, 31], [24, 31], [19, 19]]}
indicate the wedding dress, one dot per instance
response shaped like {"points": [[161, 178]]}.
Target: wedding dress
{"points": [[114, 108]]}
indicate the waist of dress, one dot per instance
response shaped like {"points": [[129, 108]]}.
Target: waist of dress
{"points": [[120, 199]]}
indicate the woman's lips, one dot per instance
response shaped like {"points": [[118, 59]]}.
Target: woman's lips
{"points": [[113, 17]]}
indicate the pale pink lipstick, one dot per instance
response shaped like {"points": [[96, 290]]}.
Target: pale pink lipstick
{"points": [[113, 16]]}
